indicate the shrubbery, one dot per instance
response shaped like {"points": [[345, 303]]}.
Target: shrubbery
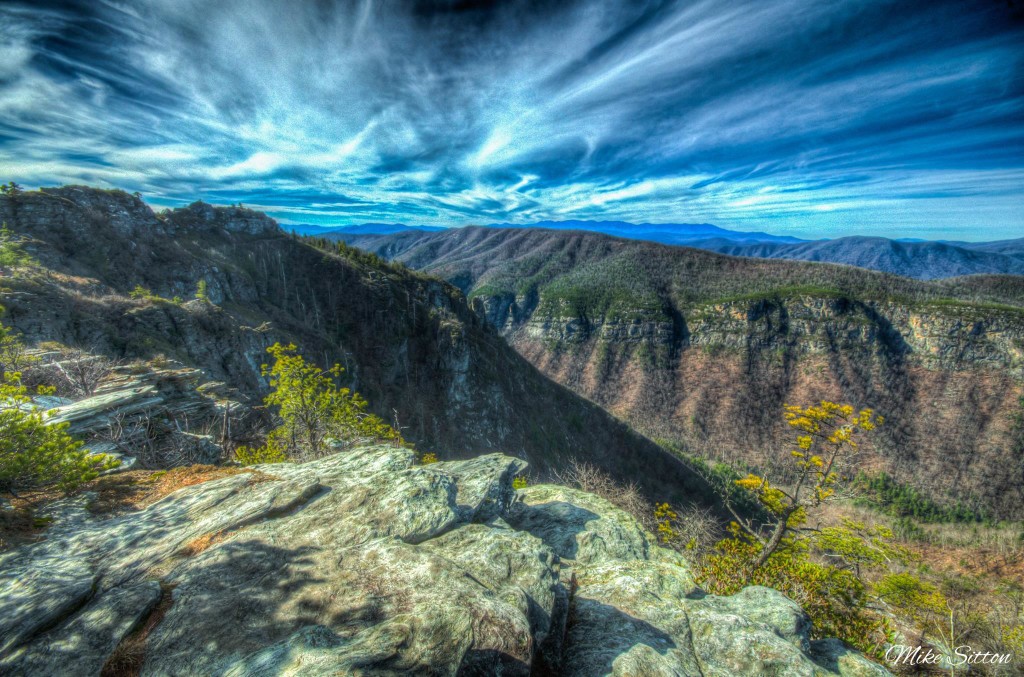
{"points": [[901, 500], [852, 578], [345, 250], [12, 250], [33, 455], [834, 598], [777, 553], [144, 294], [201, 291], [268, 453], [317, 414]]}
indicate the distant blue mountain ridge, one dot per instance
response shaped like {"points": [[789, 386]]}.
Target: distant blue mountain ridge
{"points": [[666, 233], [911, 257], [361, 229]]}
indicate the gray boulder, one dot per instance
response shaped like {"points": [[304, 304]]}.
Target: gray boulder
{"points": [[636, 609]]}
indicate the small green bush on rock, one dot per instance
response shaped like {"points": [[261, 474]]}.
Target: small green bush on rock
{"points": [[36, 456], [317, 416], [268, 453]]}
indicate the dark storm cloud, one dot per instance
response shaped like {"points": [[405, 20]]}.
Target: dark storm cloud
{"points": [[817, 118]]}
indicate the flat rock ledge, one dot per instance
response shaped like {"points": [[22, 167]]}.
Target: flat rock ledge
{"points": [[366, 563]]}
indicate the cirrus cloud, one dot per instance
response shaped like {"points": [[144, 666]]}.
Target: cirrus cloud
{"points": [[816, 119]]}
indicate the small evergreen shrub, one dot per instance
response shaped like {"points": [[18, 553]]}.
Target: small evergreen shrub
{"points": [[268, 453], [12, 251], [36, 456], [883, 492], [317, 415]]}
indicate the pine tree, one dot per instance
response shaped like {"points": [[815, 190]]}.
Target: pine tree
{"points": [[12, 251], [314, 409], [33, 454], [825, 443]]}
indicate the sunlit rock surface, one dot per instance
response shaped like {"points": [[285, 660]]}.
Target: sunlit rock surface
{"points": [[367, 563]]}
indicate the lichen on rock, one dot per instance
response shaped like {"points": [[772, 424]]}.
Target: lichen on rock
{"points": [[365, 562]]}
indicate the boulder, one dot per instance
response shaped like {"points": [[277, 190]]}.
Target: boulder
{"points": [[637, 610]]}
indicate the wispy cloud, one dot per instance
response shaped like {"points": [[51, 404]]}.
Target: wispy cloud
{"points": [[812, 118]]}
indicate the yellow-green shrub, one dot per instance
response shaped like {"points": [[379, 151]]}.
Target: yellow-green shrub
{"points": [[835, 599], [268, 453], [315, 412]]}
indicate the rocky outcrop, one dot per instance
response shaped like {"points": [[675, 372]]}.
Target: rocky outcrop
{"points": [[365, 563], [636, 609], [939, 336], [151, 410]]}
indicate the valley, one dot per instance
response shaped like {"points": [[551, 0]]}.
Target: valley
{"points": [[701, 351], [550, 348]]}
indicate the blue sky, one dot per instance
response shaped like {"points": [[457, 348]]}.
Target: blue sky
{"points": [[810, 118]]}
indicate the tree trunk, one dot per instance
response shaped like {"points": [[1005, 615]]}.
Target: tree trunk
{"points": [[773, 543]]}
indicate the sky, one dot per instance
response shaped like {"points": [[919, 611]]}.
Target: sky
{"points": [[802, 117]]}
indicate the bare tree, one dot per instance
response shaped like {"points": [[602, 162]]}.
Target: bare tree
{"points": [[589, 478], [83, 371], [157, 445], [14, 356]]}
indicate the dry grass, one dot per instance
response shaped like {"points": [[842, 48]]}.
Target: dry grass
{"points": [[128, 656], [201, 544], [136, 489], [626, 497], [973, 550], [115, 494], [19, 523], [18, 526]]}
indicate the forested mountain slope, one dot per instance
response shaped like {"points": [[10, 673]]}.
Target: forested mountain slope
{"points": [[117, 278], [924, 260], [702, 350]]}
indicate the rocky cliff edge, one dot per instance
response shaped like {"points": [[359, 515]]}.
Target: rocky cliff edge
{"points": [[366, 563]]}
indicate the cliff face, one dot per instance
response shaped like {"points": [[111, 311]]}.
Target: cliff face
{"points": [[110, 270], [365, 563], [703, 350], [948, 380], [950, 337]]}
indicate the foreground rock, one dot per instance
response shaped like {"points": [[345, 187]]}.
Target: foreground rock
{"points": [[364, 563]]}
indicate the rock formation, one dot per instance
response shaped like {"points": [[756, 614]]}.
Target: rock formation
{"points": [[366, 563], [152, 410], [117, 279]]}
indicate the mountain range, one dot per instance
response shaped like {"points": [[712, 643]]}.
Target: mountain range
{"points": [[112, 276], [701, 350], [631, 371], [374, 558], [541, 332], [925, 260]]}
